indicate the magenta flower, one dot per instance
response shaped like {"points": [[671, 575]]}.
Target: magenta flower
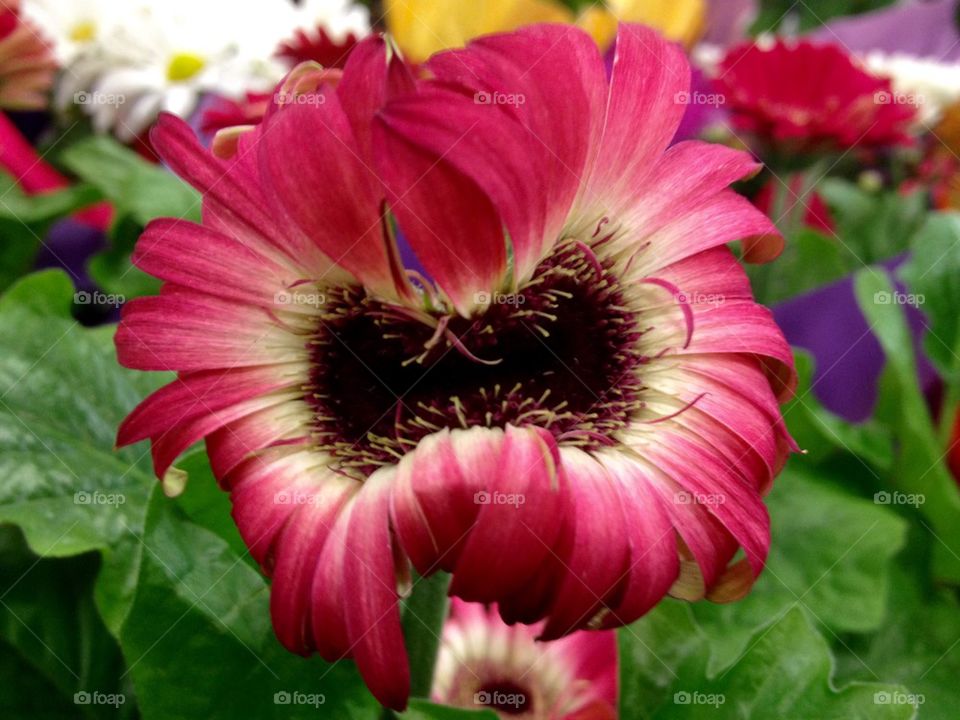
{"points": [[485, 663], [575, 414]]}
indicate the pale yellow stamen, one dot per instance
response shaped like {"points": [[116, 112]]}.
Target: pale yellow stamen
{"points": [[84, 31], [184, 66]]}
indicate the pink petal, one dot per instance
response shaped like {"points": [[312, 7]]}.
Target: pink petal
{"points": [[550, 80], [653, 563], [448, 220], [193, 256], [374, 74], [434, 508], [594, 550], [183, 330], [296, 550], [642, 113], [518, 522], [316, 176], [369, 580]]}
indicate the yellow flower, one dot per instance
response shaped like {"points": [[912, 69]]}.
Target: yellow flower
{"points": [[423, 27], [679, 20]]}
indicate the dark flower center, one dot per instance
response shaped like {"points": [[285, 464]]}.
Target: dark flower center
{"points": [[562, 354]]}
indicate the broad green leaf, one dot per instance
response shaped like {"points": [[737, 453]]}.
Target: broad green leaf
{"points": [[918, 645], [206, 505], [26, 692], [830, 555], [47, 293], [654, 654], [62, 396], [135, 186], [48, 618], [199, 643], [785, 673]]}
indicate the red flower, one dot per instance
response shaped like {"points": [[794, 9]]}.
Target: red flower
{"points": [[576, 414], [813, 96], [318, 47]]}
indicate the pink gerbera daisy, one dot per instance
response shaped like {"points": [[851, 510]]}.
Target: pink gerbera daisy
{"points": [[814, 96], [484, 663], [572, 407]]}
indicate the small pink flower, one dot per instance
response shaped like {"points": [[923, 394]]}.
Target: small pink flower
{"points": [[27, 63], [484, 663], [573, 409]]}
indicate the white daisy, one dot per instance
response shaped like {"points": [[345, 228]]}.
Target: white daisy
{"points": [[926, 83]]}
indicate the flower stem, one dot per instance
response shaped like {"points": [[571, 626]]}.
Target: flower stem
{"points": [[423, 617], [422, 620]]}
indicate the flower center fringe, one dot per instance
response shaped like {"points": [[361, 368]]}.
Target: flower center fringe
{"points": [[562, 353]]}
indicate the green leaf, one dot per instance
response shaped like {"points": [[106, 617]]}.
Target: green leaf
{"points": [[47, 616], [919, 468], [206, 505], [918, 645], [809, 260], [873, 225], [423, 710], [199, 643], [47, 293], [830, 554], [62, 396], [134, 185], [785, 673], [931, 275], [25, 220], [822, 434], [112, 269]]}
